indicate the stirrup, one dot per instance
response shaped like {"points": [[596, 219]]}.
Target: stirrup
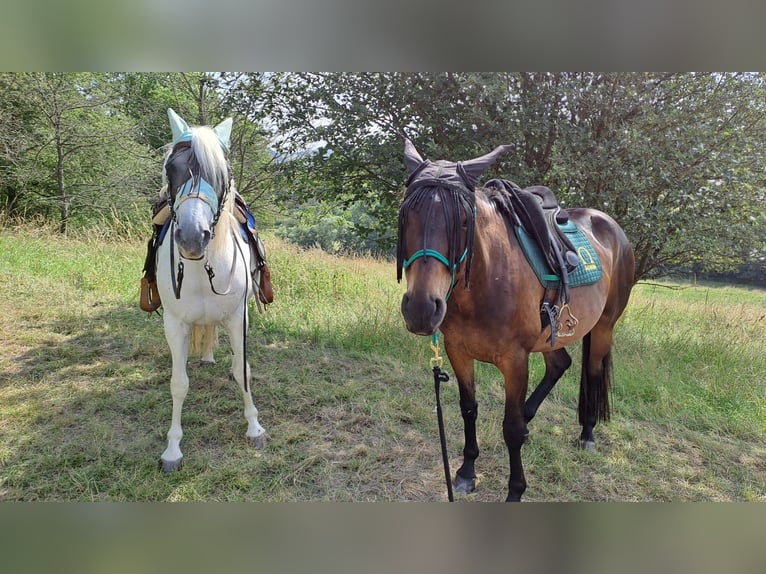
{"points": [[150, 297], [265, 291]]}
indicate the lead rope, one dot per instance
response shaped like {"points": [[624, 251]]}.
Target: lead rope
{"points": [[440, 376]]}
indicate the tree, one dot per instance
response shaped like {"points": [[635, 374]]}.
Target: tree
{"points": [[675, 158], [79, 156]]}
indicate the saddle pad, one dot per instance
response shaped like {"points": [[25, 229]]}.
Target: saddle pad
{"points": [[588, 270]]}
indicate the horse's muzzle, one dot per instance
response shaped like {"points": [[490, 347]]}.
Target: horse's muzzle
{"points": [[423, 313], [192, 245]]}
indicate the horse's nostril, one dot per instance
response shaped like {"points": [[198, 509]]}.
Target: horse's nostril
{"points": [[205, 238]]}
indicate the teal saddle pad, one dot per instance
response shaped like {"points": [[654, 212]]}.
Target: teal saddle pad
{"points": [[587, 272]]}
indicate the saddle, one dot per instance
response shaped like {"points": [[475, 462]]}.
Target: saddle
{"points": [[536, 210], [149, 300]]}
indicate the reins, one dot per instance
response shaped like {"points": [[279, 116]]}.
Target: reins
{"points": [[177, 272], [211, 274], [457, 199]]}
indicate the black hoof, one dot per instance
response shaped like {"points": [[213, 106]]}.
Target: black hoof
{"points": [[258, 442], [206, 364], [464, 485], [171, 466]]}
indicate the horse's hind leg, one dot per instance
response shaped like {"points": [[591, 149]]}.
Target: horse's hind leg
{"points": [[177, 335], [556, 363], [595, 382], [256, 435]]}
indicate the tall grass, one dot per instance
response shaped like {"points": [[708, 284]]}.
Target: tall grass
{"points": [[345, 392]]}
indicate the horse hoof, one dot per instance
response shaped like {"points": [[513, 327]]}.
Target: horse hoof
{"points": [[588, 445], [464, 485], [168, 466], [258, 442], [206, 364]]}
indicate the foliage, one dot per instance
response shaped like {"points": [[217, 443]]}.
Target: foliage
{"points": [[80, 147], [676, 158], [333, 229], [75, 155]]}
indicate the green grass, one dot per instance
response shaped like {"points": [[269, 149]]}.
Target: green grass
{"points": [[345, 392]]}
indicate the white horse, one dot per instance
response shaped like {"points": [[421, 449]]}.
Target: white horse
{"points": [[203, 269]]}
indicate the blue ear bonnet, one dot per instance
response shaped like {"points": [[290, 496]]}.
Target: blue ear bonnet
{"points": [[182, 132]]}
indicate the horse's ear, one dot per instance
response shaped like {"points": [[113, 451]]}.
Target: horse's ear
{"points": [[223, 131], [412, 158], [180, 128], [477, 166]]}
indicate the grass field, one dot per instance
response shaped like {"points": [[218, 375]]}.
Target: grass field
{"points": [[345, 393]]}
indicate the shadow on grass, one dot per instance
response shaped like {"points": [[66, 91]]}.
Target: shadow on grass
{"points": [[89, 403]]}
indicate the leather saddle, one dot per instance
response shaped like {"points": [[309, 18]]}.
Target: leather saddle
{"points": [[536, 209]]}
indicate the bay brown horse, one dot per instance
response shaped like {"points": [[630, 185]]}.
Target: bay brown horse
{"points": [[467, 277]]}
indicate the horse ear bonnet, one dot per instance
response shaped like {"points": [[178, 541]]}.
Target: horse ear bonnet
{"points": [[181, 130], [475, 168], [463, 175], [412, 158], [223, 131]]}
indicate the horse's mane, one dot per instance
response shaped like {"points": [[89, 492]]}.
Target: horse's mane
{"points": [[208, 159], [500, 199]]}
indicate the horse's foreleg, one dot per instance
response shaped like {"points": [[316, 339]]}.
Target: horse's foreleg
{"points": [[556, 363], [256, 435], [465, 477], [516, 373], [177, 335]]}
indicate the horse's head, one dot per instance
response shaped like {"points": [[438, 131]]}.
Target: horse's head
{"points": [[436, 230], [197, 169]]}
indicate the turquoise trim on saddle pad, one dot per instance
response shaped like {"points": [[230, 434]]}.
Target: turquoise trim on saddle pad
{"points": [[588, 270]]}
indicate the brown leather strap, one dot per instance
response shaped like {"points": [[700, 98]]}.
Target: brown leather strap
{"points": [[150, 296]]}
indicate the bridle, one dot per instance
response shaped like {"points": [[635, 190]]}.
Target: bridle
{"points": [[454, 199], [196, 187]]}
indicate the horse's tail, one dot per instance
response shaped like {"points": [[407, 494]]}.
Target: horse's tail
{"points": [[203, 340], [594, 391]]}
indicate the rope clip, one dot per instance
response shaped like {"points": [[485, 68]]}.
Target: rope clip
{"points": [[437, 360]]}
